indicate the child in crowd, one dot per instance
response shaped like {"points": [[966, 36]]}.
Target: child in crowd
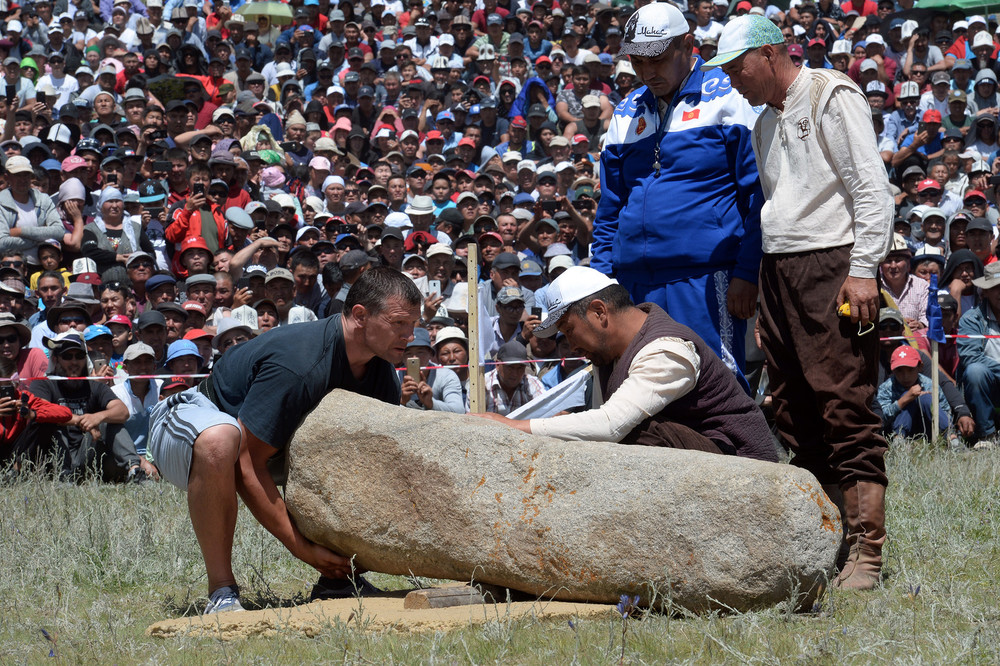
{"points": [[905, 398]]}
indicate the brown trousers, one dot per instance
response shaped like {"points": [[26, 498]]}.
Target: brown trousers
{"points": [[822, 373], [676, 436]]}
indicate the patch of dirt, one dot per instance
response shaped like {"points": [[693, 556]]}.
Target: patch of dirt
{"points": [[378, 613]]}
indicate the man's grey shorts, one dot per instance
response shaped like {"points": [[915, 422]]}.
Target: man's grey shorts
{"points": [[174, 424]]}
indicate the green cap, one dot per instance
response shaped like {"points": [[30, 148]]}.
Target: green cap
{"points": [[741, 34]]}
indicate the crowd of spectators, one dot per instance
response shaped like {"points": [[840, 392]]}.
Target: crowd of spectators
{"points": [[181, 176]]}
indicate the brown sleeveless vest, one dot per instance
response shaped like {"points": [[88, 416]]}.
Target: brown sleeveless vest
{"points": [[717, 407]]}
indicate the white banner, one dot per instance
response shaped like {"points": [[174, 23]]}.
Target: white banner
{"points": [[567, 394]]}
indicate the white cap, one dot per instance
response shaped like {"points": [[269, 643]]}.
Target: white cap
{"points": [[874, 39], [284, 200], [315, 204], [563, 261], [245, 315], [909, 89], [459, 299], [577, 283], [624, 67], [868, 64], [841, 47], [982, 38], [18, 164], [649, 30], [907, 30], [526, 164], [304, 230], [137, 349], [875, 87], [450, 334], [439, 248], [398, 220]]}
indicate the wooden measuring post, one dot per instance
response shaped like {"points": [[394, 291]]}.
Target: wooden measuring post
{"points": [[477, 386], [935, 386]]}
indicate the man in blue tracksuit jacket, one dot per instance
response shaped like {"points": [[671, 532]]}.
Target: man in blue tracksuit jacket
{"points": [[680, 226]]}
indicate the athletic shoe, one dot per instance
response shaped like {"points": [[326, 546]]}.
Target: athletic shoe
{"points": [[224, 600]]}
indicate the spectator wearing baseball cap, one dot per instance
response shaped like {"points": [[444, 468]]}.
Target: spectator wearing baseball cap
{"points": [[437, 389], [20, 195], [925, 141], [983, 136], [905, 397], [139, 393], [509, 385]]}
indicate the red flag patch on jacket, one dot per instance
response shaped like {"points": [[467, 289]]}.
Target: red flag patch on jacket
{"points": [[690, 115]]}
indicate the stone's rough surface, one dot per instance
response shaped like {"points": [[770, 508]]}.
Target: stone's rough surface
{"points": [[459, 497]]}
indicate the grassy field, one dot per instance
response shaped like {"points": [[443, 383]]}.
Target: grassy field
{"points": [[92, 566]]}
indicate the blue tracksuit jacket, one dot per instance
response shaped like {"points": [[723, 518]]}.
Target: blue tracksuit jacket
{"points": [[702, 213]]}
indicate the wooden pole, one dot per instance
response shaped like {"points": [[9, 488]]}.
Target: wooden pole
{"points": [[935, 384], [477, 386]]}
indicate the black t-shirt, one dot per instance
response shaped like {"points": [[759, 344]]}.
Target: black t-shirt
{"points": [[272, 382], [81, 397]]}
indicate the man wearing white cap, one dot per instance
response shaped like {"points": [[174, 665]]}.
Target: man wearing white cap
{"points": [[663, 386], [827, 224], [678, 220], [27, 216], [961, 49]]}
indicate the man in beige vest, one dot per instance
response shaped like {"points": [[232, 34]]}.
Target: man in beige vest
{"points": [[826, 225]]}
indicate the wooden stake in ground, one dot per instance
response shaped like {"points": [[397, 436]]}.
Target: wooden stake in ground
{"points": [[477, 386], [935, 385]]}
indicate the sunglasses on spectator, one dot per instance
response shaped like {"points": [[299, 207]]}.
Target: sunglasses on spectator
{"points": [[72, 355], [141, 263], [929, 193], [12, 264], [9, 339], [72, 320]]}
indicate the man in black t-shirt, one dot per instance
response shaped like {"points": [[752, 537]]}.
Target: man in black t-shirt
{"points": [[217, 440], [95, 437]]}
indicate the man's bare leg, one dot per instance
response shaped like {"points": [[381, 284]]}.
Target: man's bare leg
{"points": [[212, 500]]}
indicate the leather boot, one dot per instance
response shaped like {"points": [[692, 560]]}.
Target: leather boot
{"points": [[837, 497], [864, 512]]}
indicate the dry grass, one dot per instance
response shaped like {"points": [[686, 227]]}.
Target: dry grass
{"points": [[93, 565]]}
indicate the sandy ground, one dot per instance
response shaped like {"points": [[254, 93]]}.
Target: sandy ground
{"points": [[378, 613]]}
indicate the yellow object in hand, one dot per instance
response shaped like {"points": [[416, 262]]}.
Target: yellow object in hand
{"points": [[844, 310]]}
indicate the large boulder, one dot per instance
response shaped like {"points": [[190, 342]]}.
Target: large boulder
{"points": [[459, 497]]}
